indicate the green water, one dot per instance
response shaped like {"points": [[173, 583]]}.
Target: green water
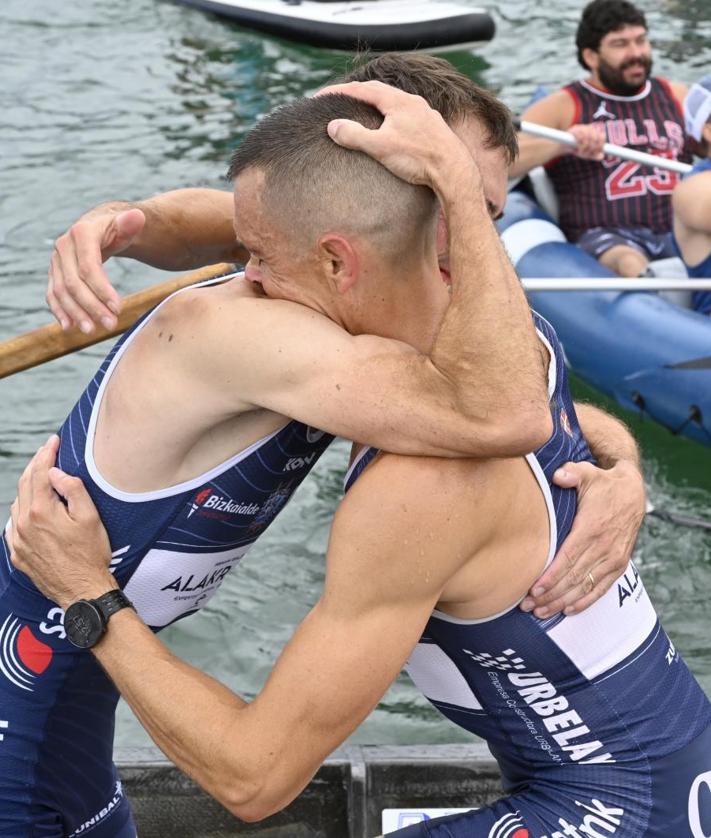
{"points": [[102, 100]]}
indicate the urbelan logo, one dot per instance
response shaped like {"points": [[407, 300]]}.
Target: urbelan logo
{"points": [[562, 723], [23, 658], [3, 726], [217, 506]]}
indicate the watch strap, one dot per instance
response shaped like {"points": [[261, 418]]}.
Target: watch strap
{"points": [[111, 602]]}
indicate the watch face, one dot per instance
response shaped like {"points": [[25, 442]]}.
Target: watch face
{"points": [[83, 624]]}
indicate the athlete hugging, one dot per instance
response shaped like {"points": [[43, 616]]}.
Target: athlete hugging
{"points": [[435, 543]]}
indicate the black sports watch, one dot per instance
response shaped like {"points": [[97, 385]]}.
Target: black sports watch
{"points": [[86, 620]]}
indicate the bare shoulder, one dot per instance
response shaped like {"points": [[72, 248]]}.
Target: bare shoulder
{"points": [[557, 110], [692, 200], [433, 486], [232, 307]]}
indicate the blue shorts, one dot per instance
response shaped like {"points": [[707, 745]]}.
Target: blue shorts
{"points": [[598, 240], [57, 777], [671, 800]]}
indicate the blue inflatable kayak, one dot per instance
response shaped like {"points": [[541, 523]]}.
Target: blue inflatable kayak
{"points": [[647, 352]]}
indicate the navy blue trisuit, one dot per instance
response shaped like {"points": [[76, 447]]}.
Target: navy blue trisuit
{"points": [[597, 724], [595, 719], [171, 550]]}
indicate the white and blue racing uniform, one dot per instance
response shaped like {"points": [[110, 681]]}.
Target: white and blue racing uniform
{"points": [[597, 724], [171, 550]]}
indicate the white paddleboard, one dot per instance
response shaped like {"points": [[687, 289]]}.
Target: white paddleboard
{"points": [[366, 24]]}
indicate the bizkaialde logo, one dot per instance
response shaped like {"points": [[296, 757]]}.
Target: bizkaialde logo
{"points": [[211, 505], [559, 729], [23, 658]]}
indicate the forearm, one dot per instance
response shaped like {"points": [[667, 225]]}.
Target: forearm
{"points": [[609, 439], [185, 229], [189, 715], [487, 345]]}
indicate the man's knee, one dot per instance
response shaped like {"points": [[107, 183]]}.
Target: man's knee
{"points": [[624, 261]]}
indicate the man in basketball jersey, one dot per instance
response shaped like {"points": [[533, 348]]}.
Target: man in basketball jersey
{"points": [[692, 197], [617, 210], [596, 722]]}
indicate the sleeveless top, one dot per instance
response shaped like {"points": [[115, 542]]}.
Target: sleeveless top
{"points": [[174, 546], [604, 688], [614, 192]]}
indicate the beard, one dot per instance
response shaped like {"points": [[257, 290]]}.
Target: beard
{"points": [[614, 77]]}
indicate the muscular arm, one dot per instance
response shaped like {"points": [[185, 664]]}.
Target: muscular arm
{"points": [[184, 229], [556, 110], [366, 388], [609, 439], [502, 374], [379, 592], [178, 230]]}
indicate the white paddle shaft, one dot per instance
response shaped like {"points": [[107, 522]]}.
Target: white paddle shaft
{"points": [[614, 283], [610, 150]]}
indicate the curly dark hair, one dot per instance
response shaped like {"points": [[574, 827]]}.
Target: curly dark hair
{"points": [[601, 17]]}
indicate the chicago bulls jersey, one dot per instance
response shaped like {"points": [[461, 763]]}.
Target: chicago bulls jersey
{"points": [[621, 193]]}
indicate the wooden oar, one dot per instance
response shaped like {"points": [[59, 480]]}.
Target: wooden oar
{"points": [[49, 342], [611, 150]]}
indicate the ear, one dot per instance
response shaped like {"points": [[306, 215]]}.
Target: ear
{"points": [[339, 260], [591, 58]]}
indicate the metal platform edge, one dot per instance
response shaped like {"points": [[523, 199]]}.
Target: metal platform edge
{"points": [[344, 800]]}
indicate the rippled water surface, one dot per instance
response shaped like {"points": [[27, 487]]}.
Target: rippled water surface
{"points": [[101, 100]]}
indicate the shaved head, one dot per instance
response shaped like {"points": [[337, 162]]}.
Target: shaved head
{"points": [[313, 186]]}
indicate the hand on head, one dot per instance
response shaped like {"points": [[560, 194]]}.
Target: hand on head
{"points": [[414, 142], [79, 292]]}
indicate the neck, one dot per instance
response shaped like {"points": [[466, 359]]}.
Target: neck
{"points": [[410, 310], [595, 81]]}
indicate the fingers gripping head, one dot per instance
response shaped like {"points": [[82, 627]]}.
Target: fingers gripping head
{"points": [[313, 186], [445, 89]]}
